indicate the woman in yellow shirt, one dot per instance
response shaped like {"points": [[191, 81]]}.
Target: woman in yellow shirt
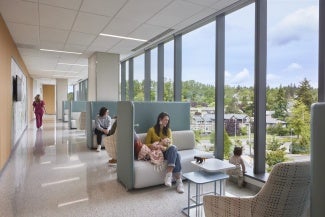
{"points": [[160, 136]]}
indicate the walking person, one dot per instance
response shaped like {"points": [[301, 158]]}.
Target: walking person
{"points": [[39, 110]]}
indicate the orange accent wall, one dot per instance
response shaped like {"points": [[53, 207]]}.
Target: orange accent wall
{"points": [[9, 50], [49, 98]]}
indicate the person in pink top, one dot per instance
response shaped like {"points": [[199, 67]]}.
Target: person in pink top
{"points": [[39, 110]]}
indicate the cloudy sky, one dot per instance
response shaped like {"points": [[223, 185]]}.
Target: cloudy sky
{"points": [[292, 46]]}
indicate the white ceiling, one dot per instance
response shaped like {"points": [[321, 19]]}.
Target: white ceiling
{"points": [[74, 25]]}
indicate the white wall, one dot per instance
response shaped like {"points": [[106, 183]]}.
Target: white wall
{"points": [[19, 115], [61, 95], [103, 76]]}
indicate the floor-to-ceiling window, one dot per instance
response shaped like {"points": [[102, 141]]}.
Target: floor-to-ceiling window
{"points": [[169, 71], [127, 97], [154, 74], [239, 82], [138, 79], [292, 58], [198, 81], [292, 78]]}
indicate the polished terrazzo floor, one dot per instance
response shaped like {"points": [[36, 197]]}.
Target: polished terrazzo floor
{"points": [[52, 173]]}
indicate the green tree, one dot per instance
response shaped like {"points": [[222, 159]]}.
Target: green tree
{"points": [[274, 157], [273, 145], [153, 91], [281, 102], [305, 94], [168, 91], [227, 143], [299, 119], [138, 90], [70, 96]]}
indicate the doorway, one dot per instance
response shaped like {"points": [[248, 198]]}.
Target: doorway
{"points": [[49, 98]]}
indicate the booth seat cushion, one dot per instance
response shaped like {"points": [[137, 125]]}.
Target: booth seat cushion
{"points": [[183, 140], [146, 174], [75, 120], [142, 169], [65, 118]]}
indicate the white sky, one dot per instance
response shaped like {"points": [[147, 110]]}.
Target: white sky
{"points": [[292, 47]]}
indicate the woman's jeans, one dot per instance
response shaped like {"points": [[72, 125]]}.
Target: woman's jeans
{"points": [[173, 159], [99, 136]]}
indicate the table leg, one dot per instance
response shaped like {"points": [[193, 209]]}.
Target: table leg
{"points": [[222, 187], [188, 198], [197, 199]]}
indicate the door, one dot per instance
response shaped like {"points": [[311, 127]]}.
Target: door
{"points": [[49, 98]]}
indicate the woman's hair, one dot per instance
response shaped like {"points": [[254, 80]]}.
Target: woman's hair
{"points": [[102, 111], [238, 151], [157, 126], [37, 98]]}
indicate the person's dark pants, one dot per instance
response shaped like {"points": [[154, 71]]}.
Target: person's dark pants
{"points": [[39, 119], [99, 136]]}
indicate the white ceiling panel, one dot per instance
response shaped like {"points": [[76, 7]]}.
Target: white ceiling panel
{"points": [[201, 15], [28, 52], [76, 47], [19, 11], [56, 17], [122, 27], [24, 34], [51, 46], [63, 67], [90, 23], [142, 10], [79, 68], [175, 13], [223, 3], [83, 61], [94, 48], [53, 35], [102, 7], [74, 25], [204, 2], [69, 4], [80, 38], [124, 46], [70, 58], [147, 31], [105, 42]]}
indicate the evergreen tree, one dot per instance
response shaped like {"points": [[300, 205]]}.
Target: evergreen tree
{"points": [[281, 103], [304, 93]]}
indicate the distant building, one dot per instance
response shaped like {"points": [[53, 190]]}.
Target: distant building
{"points": [[203, 119], [270, 121]]}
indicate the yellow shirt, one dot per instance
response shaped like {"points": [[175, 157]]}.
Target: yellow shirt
{"points": [[153, 137]]}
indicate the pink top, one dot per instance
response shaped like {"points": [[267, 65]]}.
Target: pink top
{"points": [[39, 107]]}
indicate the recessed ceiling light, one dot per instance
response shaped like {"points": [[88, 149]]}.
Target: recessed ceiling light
{"points": [[64, 76], [122, 37], [53, 70], [60, 51], [72, 64]]}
